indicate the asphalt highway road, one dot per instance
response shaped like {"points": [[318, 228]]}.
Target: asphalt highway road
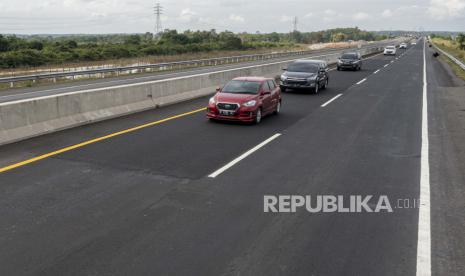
{"points": [[141, 203], [59, 88]]}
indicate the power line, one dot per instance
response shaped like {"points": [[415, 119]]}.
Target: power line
{"points": [[158, 11]]}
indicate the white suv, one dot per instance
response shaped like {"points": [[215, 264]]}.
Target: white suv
{"points": [[403, 46], [390, 50]]}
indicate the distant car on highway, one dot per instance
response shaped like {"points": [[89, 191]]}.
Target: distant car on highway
{"points": [[390, 50], [246, 99], [414, 43], [305, 74], [350, 60], [403, 45]]}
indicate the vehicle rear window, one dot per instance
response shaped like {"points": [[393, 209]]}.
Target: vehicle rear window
{"points": [[349, 56], [241, 87], [303, 67], [390, 47]]}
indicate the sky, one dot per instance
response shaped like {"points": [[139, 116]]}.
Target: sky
{"points": [[136, 16]]}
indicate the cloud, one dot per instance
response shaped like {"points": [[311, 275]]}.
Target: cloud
{"points": [[330, 12], [410, 11], [286, 18], [446, 9], [237, 18], [360, 16], [187, 15], [310, 14], [329, 15], [98, 15], [102, 16], [387, 13], [207, 20]]}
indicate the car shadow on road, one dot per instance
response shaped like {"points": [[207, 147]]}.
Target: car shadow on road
{"points": [[300, 92]]}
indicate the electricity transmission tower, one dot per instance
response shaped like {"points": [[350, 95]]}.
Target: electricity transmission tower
{"points": [[158, 10], [294, 23]]}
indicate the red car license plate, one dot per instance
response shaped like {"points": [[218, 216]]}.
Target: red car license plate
{"points": [[227, 113]]}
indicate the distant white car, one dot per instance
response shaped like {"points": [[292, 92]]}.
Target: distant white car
{"points": [[390, 50], [403, 46], [414, 43]]}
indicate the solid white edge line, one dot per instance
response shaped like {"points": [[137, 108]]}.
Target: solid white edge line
{"points": [[242, 156], [332, 99], [375, 72], [424, 217], [386, 65], [362, 81]]}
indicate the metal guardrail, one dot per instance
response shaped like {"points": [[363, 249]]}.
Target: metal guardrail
{"points": [[172, 65], [454, 59]]}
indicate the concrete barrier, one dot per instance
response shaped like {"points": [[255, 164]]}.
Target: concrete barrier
{"points": [[32, 117]]}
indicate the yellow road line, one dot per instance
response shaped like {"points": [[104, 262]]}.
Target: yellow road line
{"points": [[85, 143]]}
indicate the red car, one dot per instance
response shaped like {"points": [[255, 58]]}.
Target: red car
{"points": [[246, 99]]}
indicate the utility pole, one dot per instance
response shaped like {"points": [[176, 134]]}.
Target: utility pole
{"points": [[294, 22], [158, 10]]}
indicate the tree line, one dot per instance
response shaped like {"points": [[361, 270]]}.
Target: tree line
{"points": [[331, 35], [40, 50]]}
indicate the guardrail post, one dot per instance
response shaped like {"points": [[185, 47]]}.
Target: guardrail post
{"points": [[12, 84]]}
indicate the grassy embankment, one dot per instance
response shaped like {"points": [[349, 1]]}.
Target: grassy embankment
{"points": [[451, 47]]}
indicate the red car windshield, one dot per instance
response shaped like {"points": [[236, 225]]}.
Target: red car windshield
{"points": [[241, 87]]}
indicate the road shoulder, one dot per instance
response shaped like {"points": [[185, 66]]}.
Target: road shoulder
{"points": [[447, 155]]}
